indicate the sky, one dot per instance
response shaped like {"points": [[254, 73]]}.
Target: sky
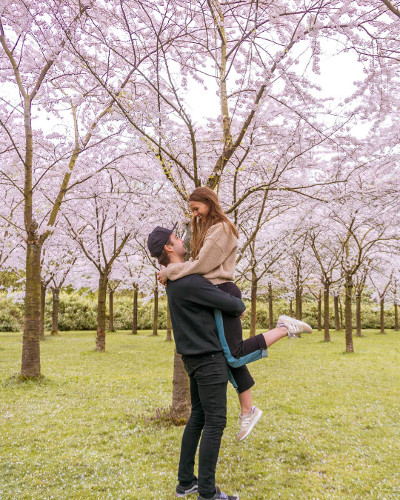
{"points": [[337, 77]]}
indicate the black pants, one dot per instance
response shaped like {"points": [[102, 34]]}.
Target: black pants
{"points": [[208, 376], [238, 346]]}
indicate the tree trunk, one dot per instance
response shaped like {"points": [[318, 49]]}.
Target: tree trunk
{"points": [[180, 409], [382, 318], [358, 315], [253, 313], [169, 326], [111, 310], [319, 316], [336, 307], [327, 335], [54, 315], [42, 308], [396, 317], [101, 313], [135, 311], [30, 366], [155, 315], [270, 308], [299, 304], [348, 318], [291, 308], [341, 314]]}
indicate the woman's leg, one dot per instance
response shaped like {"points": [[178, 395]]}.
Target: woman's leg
{"points": [[244, 382], [274, 335], [245, 401], [234, 333]]}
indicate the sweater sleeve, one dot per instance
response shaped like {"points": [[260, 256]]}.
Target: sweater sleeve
{"points": [[218, 244]]}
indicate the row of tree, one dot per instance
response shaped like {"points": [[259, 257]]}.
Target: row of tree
{"points": [[100, 141]]}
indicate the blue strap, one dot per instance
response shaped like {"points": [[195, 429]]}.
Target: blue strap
{"points": [[231, 360]]}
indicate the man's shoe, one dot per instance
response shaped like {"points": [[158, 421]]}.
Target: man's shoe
{"points": [[293, 326], [247, 422], [219, 494], [182, 491]]}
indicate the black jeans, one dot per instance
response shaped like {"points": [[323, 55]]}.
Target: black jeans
{"points": [[208, 383]]}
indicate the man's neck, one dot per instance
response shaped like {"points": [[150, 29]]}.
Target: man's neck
{"points": [[176, 259]]}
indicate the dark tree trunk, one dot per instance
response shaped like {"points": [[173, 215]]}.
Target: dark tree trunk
{"points": [[348, 318], [358, 315], [169, 325], [319, 316], [327, 335], [54, 314], [299, 305], [336, 307], [155, 315], [180, 409], [30, 366], [341, 314], [270, 307], [111, 310], [382, 315], [253, 313], [396, 317], [135, 312], [291, 308], [42, 308], [101, 313]]}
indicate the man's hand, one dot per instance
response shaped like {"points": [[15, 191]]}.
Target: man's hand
{"points": [[162, 276], [243, 315]]}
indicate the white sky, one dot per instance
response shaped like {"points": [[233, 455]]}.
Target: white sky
{"points": [[338, 73]]}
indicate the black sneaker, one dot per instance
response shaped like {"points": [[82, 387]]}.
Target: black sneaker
{"points": [[221, 495], [182, 491]]}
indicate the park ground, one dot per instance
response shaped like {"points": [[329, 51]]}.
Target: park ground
{"points": [[89, 429]]}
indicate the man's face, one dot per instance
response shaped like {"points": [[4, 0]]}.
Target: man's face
{"points": [[177, 245]]}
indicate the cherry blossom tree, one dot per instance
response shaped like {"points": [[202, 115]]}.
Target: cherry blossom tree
{"points": [[101, 225], [42, 82]]}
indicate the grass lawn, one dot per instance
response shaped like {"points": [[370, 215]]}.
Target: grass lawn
{"points": [[330, 428]]}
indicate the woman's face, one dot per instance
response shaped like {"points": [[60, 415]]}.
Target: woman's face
{"points": [[199, 209]]}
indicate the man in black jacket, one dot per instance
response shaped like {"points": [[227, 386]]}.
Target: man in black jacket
{"points": [[192, 300]]}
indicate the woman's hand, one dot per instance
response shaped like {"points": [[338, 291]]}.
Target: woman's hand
{"points": [[162, 276], [243, 314]]}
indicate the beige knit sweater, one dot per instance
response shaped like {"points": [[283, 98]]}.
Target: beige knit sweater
{"points": [[216, 260]]}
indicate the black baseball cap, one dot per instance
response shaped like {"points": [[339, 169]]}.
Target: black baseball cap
{"points": [[158, 238]]}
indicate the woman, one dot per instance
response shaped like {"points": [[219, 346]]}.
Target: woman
{"points": [[213, 254]]}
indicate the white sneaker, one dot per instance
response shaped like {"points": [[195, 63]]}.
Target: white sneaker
{"points": [[293, 326], [247, 422]]}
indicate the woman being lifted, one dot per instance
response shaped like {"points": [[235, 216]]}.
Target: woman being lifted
{"points": [[213, 254]]}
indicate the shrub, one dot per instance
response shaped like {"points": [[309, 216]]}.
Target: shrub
{"points": [[78, 312], [11, 315]]}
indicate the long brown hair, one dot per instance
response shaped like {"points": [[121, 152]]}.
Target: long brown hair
{"points": [[199, 228]]}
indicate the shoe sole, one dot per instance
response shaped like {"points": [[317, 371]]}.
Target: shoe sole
{"points": [[252, 425], [188, 492]]}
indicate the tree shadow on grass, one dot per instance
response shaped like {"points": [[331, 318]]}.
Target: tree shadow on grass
{"points": [[16, 380], [163, 417]]}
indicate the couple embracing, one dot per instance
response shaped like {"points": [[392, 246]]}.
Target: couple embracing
{"points": [[206, 310]]}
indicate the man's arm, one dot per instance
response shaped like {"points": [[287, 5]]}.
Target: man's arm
{"points": [[204, 293]]}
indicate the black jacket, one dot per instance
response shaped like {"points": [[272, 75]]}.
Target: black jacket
{"points": [[192, 300]]}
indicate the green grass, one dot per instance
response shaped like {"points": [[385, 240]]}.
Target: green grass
{"points": [[330, 427]]}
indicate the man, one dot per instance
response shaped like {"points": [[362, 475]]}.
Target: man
{"points": [[192, 300]]}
